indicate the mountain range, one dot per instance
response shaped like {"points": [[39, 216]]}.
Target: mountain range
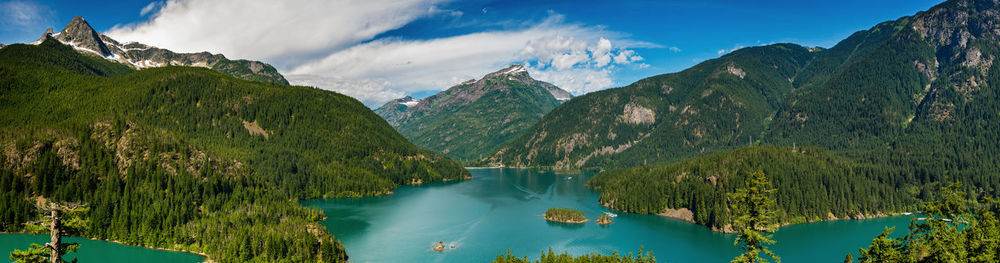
{"points": [[190, 158], [200, 153], [83, 38], [897, 86], [869, 127], [473, 119]]}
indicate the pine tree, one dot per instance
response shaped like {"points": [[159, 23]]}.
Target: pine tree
{"points": [[754, 211], [883, 249], [53, 217]]}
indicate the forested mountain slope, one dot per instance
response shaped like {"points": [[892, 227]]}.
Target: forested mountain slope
{"points": [[898, 87], [812, 185], [473, 119], [895, 111], [717, 104], [190, 158]]}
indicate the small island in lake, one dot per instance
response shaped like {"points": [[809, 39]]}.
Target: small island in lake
{"points": [[439, 247], [565, 216], [603, 219]]}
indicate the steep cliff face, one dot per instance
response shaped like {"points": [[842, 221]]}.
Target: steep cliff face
{"points": [[85, 39], [473, 119]]}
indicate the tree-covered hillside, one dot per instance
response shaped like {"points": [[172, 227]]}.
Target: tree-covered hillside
{"points": [[887, 114], [812, 184], [888, 91], [474, 119], [718, 104], [190, 158]]}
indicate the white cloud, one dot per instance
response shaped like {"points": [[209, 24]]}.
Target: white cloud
{"points": [[20, 14], [576, 58], [737, 46], [287, 30], [577, 80], [368, 91], [333, 45], [627, 57], [602, 53], [675, 49], [150, 8], [24, 21]]}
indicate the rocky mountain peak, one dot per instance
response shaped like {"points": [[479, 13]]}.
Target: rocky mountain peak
{"points": [[408, 101], [48, 34], [79, 34], [472, 119], [514, 71], [82, 37], [955, 23]]}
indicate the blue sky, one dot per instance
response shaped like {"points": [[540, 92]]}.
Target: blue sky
{"points": [[377, 50]]}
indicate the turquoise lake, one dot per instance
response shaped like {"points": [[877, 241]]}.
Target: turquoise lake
{"points": [[97, 251], [501, 209]]}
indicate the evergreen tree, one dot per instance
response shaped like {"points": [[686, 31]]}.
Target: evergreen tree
{"points": [[882, 249], [949, 232], [551, 257], [938, 238], [753, 208], [61, 219]]}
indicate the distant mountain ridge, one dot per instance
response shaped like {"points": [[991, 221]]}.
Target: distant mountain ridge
{"points": [[900, 85], [82, 37], [394, 110], [872, 126], [475, 117]]}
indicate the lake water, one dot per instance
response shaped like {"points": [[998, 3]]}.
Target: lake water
{"points": [[96, 251], [502, 209]]}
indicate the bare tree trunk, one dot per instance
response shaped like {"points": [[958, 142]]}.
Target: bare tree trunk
{"points": [[56, 238]]}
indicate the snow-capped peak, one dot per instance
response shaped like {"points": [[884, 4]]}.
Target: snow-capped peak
{"points": [[515, 69], [408, 101]]}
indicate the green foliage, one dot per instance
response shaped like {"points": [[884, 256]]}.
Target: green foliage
{"points": [[552, 257], [753, 209], [883, 249], [717, 104], [899, 110], [249, 70], [603, 219], [40, 254], [70, 221], [53, 55], [812, 185], [564, 215], [189, 158], [471, 130], [953, 230]]}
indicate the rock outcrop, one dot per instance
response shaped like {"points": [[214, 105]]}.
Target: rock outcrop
{"points": [[82, 37]]}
